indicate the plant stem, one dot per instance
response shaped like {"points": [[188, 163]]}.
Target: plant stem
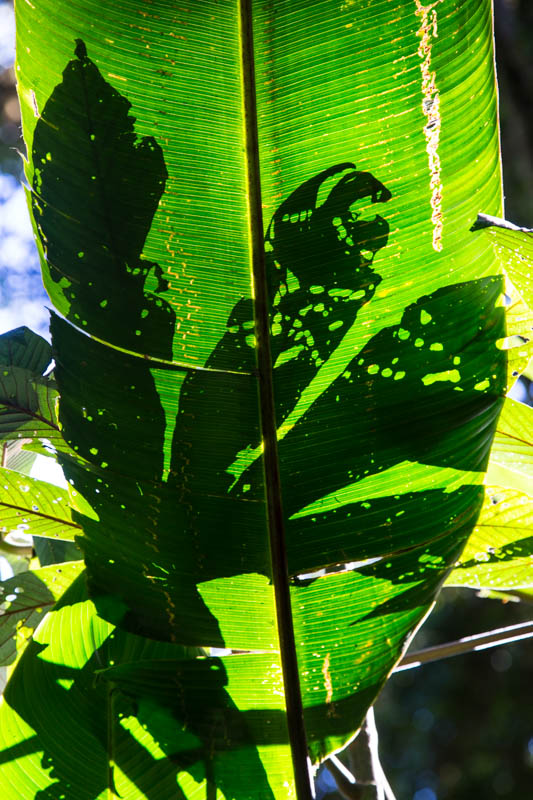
{"points": [[468, 644]]}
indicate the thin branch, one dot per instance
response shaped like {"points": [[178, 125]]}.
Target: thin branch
{"points": [[346, 785], [468, 644], [365, 779], [369, 751], [389, 795]]}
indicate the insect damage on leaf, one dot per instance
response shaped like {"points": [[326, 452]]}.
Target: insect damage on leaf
{"points": [[431, 109], [93, 205]]}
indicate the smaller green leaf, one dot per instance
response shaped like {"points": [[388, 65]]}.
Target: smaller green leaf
{"points": [[23, 348], [499, 553], [223, 717], [55, 551], [514, 249], [511, 457], [28, 399], [25, 599], [56, 713], [27, 405], [519, 340], [15, 457], [34, 507]]}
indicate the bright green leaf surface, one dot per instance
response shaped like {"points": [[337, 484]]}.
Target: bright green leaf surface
{"points": [[499, 553], [71, 735], [31, 506], [514, 248], [377, 146], [511, 458], [519, 340], [25, 599]]}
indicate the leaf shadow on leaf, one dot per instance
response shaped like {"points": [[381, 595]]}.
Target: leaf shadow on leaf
{"points": [[182, 703], [422, 570], [188, 710], [196, 500], [95, 190], [425, 390], [54, 697], [185, 706], [521, 548], [428, 389], [99, 279], [319, 264]]}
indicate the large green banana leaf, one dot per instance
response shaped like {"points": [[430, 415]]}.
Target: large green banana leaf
{"points": [[280, 354]]}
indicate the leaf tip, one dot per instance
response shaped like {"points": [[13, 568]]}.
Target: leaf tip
{"points": [[80, 50]]}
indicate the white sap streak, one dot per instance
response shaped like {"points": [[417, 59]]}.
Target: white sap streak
{"points": [[427, 32]]}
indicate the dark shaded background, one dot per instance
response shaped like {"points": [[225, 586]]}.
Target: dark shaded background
{"points": [[514, 61], [458, 729]]}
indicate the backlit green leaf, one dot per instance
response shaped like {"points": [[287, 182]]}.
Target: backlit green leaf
{"points": [[519, 341], [514, 248], [31, 506], [511, 457], [281, 362], [66, 718], [499, 553], [28, 401], [24, 601]]}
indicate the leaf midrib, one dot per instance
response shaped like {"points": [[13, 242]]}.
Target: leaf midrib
{"points": [[276, 526]]}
